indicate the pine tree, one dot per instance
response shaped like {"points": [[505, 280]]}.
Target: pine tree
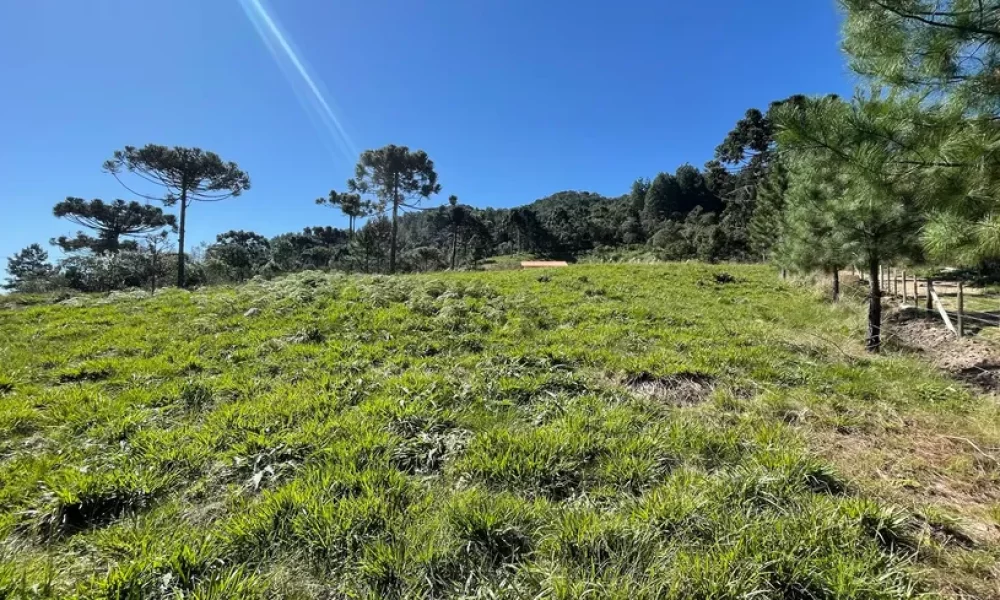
{"points": [[813, 237], [767, 219], [662, 201], [27, 266], [874, 207], [944, 47], [946, 53]]}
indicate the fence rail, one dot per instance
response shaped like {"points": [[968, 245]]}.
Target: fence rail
{"points": [[963, 308]]}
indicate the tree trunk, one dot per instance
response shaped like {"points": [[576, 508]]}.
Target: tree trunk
{"points": [[155, 261], [873, 341], [392, 244], [836, 285], [454, 244], [395, 212], [180, 240], [350, 220]]}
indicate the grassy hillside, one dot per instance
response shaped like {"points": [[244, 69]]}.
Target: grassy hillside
{"points": [[601, 431]]}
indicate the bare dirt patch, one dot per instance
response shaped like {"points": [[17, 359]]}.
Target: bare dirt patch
{"points": [[682, 389], [969, 360]]}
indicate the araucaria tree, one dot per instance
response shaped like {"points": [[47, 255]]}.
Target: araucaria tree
{"points": [[351, 205], [397, 178], [110, 221], [153, 247], [186, 175]]}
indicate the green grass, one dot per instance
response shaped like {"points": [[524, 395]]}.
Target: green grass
{"points": [[641, 431]]}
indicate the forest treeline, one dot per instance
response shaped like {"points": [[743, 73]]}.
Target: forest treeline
{"points": [[906, 172], [691, 213]]}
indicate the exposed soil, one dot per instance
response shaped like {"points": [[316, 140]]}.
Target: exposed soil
{"points": [[973, 361], [683, 389]]}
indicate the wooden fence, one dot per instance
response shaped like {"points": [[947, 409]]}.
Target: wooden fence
{"points": [[962, 308]]}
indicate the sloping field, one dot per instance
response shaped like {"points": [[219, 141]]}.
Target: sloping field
{"points": [[666, 431]]}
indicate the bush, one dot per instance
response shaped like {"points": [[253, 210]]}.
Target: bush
{"points": [[105, 272]]}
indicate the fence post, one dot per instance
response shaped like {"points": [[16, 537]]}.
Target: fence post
{"points": [[961, 309], [904, 287], [916, 287], [930, 290]]}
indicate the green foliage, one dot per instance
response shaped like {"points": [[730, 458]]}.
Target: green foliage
{"points": [[28, 268], [186, 175], [243, 252], [663, 199], [766, 227], [943, 57], [853, 192], [750, 150], [637, 197], [694, 191], [351, 205], [396, 178], [697, 236], [947, 46], [109, 271], [110, 222], [512, 433], [819, 221], [313, 248]]}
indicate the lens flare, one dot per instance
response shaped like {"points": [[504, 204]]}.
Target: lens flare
{"points": [[308, 88]]}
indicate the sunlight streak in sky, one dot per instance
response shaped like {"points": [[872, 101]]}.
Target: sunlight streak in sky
{"points": [[290, 62]]}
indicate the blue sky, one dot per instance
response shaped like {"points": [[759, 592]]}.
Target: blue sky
{"points": [[513, 99]]}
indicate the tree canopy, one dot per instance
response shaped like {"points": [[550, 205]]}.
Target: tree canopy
{"points": [[185, 175], [242, 251], [111, 221], [397, 178], [27, 266], [949, 47], [351, 205]]}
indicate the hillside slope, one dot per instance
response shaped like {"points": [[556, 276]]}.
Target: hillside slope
{"points": [[603, 431]]}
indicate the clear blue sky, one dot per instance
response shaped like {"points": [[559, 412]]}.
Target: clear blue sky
{"points": [[513, 99]]}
